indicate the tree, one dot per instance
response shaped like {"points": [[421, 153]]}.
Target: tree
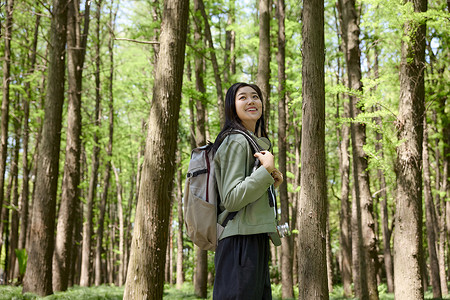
{"points": [[38, 277], [312, 209], [145, 276], [76, 45], [5, 100], [408, 252], [286, 243], [363, 201], [263, 76]]}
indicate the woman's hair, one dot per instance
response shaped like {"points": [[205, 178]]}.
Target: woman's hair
{"points": [[232, 120]]}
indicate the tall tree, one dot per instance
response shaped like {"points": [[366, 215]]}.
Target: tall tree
{"points": [[286, 243], [312, 277], [408, 250], [38, 277], [86, 266], [107, 173], [76, 45], [363, 201], [9, 8], [25, 193], [218, 81], [429, 216], [263, 76], [145, 277], [201, 261]]}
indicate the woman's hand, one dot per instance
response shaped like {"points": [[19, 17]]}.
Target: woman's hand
{"points": [[266, 159], [278, 177]]}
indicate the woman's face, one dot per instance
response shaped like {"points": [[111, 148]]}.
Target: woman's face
{"points": [[248, 107]]}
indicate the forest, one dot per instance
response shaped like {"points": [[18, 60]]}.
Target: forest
{"points": [[103, 101]]}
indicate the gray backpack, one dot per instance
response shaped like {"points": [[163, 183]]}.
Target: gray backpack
{"points": [[201, 197]]}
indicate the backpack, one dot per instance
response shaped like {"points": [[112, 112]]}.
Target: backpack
{"points": [[201, 197]]}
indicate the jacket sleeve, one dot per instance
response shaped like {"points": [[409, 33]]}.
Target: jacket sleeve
{"points": [[236, 189]]}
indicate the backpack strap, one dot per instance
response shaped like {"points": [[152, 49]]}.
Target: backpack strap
{"points": [[255, 149]]}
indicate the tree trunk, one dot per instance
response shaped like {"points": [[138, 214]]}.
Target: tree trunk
{"points": [[220, 101], [287, 289], [121, 226], [76, 45], [408, 250], [368, 259], [263, 76], [86, 263], [313, 283], [345, 234], [26, 135], [145, 276], [445, 189], [180, 246], [429, 206], [9, 7], [107, 176], [13, 172], [38, 277], [201, 261]]}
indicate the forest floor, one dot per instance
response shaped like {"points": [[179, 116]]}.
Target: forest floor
{"points": [[170, 293]]}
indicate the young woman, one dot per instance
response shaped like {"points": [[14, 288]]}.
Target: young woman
{"points": [[242, 254]]}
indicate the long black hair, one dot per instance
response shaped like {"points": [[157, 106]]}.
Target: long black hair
{"points": [[232, 120]]}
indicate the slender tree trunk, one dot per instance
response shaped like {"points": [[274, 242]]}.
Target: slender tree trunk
{"points": [[9, 7], [444, 232], [180, 246], [201, 261], [313, 203], [343, 132], [70, 192], [287, 289], [369, 256], [14, 170], [121, 226], [38, 277], [107, 176], [26, 135], [263, 76], [220, 101], [86, 263], [145, 276], [429, 206], [408, 250]]}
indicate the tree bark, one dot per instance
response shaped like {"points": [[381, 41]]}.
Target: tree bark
{"points": [[313, 283], [287, 289], [263, 76], [86, 263], [145, 276], [25, 193], [9, 8], [76, 45], [220, 101], [180, 246], [408, 250], [121, 226], [38, 277], [107, 173], [368, 259], [13, 172], [429, 206]]}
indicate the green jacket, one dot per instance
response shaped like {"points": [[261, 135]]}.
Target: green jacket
{"points": [[241, 190]]}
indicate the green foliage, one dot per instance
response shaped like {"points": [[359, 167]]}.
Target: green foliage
{"points": [[109, 292], [22, 257]]}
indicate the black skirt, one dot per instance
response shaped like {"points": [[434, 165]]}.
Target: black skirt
{"points": [[242, 268]]}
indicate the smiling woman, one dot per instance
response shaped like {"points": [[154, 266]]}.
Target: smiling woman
{"points": [[248, 107]]}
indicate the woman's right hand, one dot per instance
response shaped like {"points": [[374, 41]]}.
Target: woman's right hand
{"points": [[267, 160]]}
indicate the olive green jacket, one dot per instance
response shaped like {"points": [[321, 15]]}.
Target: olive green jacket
{"points": [[241, 190]]}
